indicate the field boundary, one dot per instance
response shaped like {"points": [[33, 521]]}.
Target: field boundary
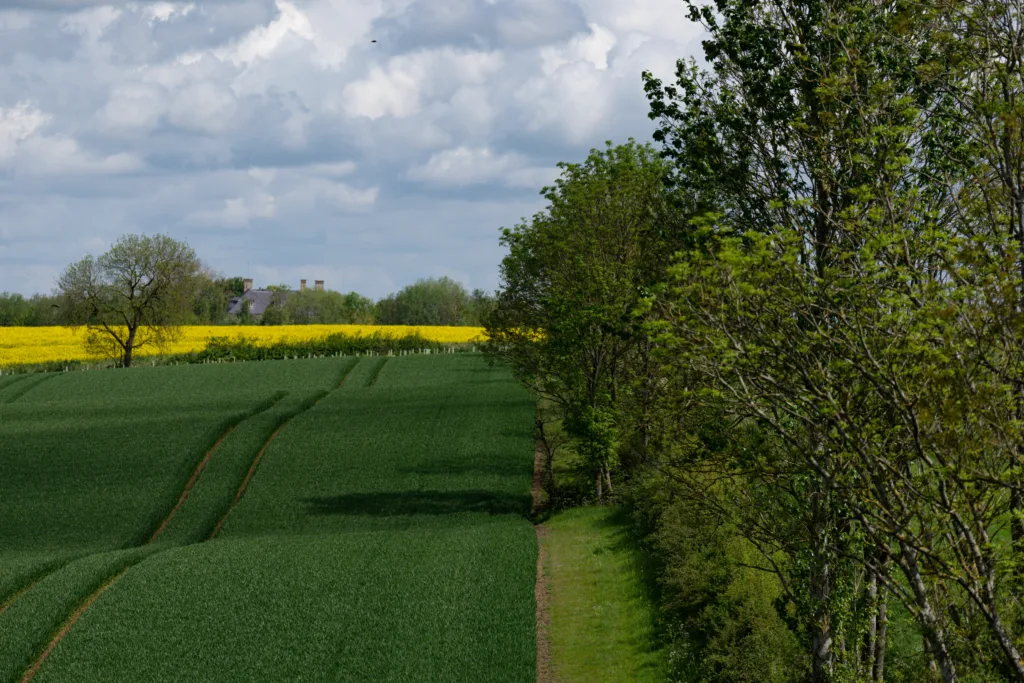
{"points": [[542, 594], [542, 588], [66, 625]]}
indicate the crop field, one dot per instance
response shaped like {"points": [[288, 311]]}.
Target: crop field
{"points": [[31, 345], [323, 519]]}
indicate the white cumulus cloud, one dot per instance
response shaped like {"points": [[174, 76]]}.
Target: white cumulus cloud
{"points": [[390, 160], [237, 212], [134, 107], [464, 166], [17, 124], [26, 149], [398, 89], [204, 107]]}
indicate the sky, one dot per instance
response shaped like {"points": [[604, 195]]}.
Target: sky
{"points": [[281, 143]]}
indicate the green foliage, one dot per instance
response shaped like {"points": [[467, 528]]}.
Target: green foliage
{"points": [[239, 349], [428, 301], [572, 278], [857, 255], [212, 297], [725, 607], [276, 313], [16, 310], [132, 296], [327, 308]]}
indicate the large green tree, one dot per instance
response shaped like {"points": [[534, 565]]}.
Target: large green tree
{"points": [[429, 301], [133, 296], [573, 276], [798, 145], [17, 310], [856, 293], [328, 308]]}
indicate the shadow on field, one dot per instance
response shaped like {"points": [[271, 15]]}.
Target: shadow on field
{"points": [[419, 503]]}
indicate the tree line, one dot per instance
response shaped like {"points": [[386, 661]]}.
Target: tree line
{"points": [[429, 301], [790, 339]]}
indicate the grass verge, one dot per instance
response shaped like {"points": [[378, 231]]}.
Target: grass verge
{"points": [[602, 621]]}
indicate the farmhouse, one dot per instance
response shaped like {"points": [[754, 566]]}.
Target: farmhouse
{"points": [[259, 299]]}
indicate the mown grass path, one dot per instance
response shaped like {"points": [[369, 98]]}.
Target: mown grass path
{"points": [[601, 620]]}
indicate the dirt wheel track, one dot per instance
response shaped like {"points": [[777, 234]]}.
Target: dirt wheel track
{"points": [[191, 482], [542, 590], [31, 672]]}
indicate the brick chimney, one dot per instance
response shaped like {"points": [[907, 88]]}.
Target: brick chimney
{"points": [[246, 284], [302, 285], [319, 284]]}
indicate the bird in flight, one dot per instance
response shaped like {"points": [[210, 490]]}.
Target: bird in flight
{"points": [[373, 41]]}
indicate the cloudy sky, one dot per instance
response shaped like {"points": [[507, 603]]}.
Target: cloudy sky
{"points": [[276, 139]]}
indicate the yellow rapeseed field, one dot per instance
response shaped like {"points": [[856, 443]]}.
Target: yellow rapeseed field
{"points": [[22, 345]]}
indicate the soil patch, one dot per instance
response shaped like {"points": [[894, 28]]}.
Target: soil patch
{"points": [[542, 591]]}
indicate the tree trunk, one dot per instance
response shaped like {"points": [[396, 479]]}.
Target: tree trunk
{"points": [[878, 673], [1017, 511], [129, 346], [935, 639], [1006, 643], [821, 628], [867, 659], [1017, 533], [821, 590]]}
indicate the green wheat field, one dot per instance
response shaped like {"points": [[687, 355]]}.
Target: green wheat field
{"points": [[326, 519]]}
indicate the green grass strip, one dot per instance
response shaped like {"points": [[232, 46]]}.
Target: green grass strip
{"points": [[602, 622], [31, 621]]}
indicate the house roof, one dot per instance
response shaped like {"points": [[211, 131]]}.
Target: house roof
{"points": [[260, 298]]}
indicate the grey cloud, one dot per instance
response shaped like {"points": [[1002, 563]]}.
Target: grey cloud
{"points": [[73, 5], [288, 110], [478, 24]]}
